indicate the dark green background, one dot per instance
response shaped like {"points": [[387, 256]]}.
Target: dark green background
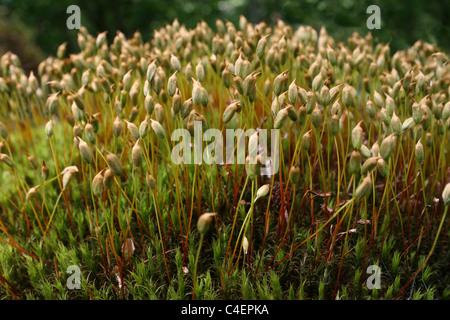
{"points": [[35, 28]]}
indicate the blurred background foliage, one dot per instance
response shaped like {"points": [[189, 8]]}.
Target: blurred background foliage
{"points": [[35, 28]]}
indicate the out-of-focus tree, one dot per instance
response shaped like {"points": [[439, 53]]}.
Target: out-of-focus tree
{"points": [[402, 22], [16, 37]]}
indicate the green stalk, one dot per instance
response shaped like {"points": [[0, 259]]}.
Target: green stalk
{"points": [[195, 266]]}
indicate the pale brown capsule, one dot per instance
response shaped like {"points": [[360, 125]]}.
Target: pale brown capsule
{"points": [[252, 169], [378, 99], [226, 77], [306, 141], [292, 114], [149, 104], [85, 151], [245, 245], [128, 247], [45, 171], [261, 46], [246, 69], [172, 84], [175, 62], [267, 86], [310, 102], [176, 102], [204, 221], [334, 92], [86, 76], [32, 193], [407, 124], [238, 84], [89, 132], [118, 106], [137, 155], [357, 136], [446, 111], [134, 92], [376, 149], [302, 94], [61, 50], [426, 117], [52, 104], [157, 128], [416, 112], [429, 140], [143, 128], [108, 178], [294, 175], [370, 107], [159, 113], [281, 83], [316, 117], [33, 162], [238, 66], [446, 194], [151, 182], [293, 92], [186, 108], [280, 119], [324, 96], [117, 127], [134, 131], [387, 147], [127, 81], [250, 83], [114, 163], [331, 55], [55, 85], [419, 152], [7, 160], [364, 188], [49, 129], [134, 113], [396, 89], [385, 116], [372, 69], [365, 152], [151, 70], [396, 125], [67, 177], [229, 112], [369, 165], [157, 83], [199, 94], [347, 96], [382, 167], [200, 72], [390, 105], [77, 113], [317, 83], [263, 191], [77, 99], [354, 163], [97, 184]]}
